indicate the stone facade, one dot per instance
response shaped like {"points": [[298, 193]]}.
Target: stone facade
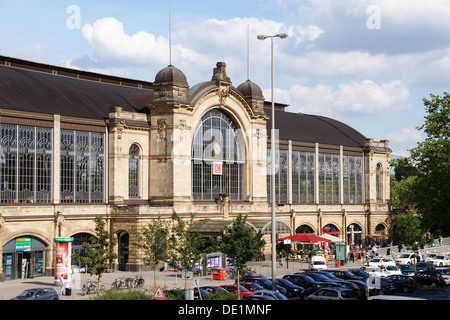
{"points": [[164, 134]]}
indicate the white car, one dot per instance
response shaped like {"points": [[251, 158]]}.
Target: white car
{"points": [[318, 263], [446, 275], [374, 271], [406, 258], [378, 262], [389, 270], [441, 260]]}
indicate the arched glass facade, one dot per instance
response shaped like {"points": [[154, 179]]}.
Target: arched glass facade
{"points": [[218, 157]]}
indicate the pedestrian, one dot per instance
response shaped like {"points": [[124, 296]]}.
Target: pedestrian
{"points": [[165, 265], [352, 256], [388, 251], [440, 241], [399, 247], [61, 283]]}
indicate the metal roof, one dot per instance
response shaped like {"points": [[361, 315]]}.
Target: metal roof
{"points": [[35, 91]]}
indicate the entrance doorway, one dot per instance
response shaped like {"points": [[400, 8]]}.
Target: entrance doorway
{"points": [[18, 262]]}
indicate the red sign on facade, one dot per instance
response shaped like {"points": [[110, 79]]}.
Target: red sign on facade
{"points": [[217, 168]]}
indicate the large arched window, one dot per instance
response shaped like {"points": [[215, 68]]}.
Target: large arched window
{"points": [[218, 156], [133, 171]]}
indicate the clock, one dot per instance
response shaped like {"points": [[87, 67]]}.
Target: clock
{"points": [[216, 149]]}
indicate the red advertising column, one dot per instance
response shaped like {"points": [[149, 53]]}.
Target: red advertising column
{"points": [[63, 261]]}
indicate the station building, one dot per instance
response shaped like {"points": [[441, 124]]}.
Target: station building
{"points": [[75, 145]]}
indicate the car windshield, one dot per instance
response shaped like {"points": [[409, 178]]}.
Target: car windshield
{"points": [[285, 282], [405, 255], [439, 257], [375, 260], [319, 262], [27, 293], [391, 268], [257, 286]]}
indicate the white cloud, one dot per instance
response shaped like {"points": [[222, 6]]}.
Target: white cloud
{"points": [[407, 135], [351, 99]]}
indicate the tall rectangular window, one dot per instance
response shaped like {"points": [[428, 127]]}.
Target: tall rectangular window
{"points": [[25, 164], [281, 175], [329, 171], [82, 167], [352, 178], [303, 165]]}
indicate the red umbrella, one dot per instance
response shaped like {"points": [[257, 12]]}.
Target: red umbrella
{"points": [[305, 238]]}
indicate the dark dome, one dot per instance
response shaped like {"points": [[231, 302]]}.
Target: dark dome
{"points": [[250, 89], [171, 75]]}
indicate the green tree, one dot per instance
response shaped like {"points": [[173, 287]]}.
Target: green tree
{"points": [[408, 230], [99, 253], [186, 245], [241, 243], [151, 244], [431, 187]]}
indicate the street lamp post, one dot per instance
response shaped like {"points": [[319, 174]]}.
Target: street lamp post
{"points": [[272, 162]]}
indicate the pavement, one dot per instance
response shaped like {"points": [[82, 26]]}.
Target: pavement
{"points": [[166, 279]]}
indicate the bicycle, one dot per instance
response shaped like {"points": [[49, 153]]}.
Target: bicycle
{"points": [[138, 282]]}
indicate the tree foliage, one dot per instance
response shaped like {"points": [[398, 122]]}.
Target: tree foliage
{"points": [[99, 252], [431, 187], [185, 245], [408, 230], [151, 244], [241, 243]]}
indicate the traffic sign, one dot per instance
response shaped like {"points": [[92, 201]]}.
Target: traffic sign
{"points": [[159, 294]]}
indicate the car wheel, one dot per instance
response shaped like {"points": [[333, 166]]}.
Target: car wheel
{"points": [[405, 289], [381, 292]]}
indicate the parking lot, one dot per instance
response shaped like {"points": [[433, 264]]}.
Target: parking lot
{"points": [[172, 279]]}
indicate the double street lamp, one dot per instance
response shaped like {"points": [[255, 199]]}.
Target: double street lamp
{"points": [[272, 162]]}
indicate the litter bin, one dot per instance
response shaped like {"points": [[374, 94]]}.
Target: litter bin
{"points": [[219, 273], [68, 292], [338, 263]]}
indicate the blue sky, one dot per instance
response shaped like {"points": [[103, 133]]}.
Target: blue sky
{"points": [[367, 63]]}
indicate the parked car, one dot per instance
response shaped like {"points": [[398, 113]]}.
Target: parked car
{"points": [[430, 256], [352, 286], [292, 290], [305, 293], [406, 258], [391, 270], [269, 293], [402, 282], [211, 289], [360, 273], [421, 266], [378, 262], [446, 275], [345, 275], [374, 271], [430, 277], [318, 276], [441, 260], [406, 269], [232, 288], [318, 263], [333, 294], [301, 280], [37, 294], [203, 293], [263, 282], [251, 286], [258, 297], [381, 285]]}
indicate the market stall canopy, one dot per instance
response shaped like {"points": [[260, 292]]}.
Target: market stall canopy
{"points": [[304, 238], [377, 236], [331, 238]]}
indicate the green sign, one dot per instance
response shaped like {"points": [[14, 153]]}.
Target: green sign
{"points": [[23, 244], [64, 239], [340, 252]]}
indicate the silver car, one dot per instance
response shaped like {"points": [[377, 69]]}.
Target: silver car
{"points": [[333, 294]]}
